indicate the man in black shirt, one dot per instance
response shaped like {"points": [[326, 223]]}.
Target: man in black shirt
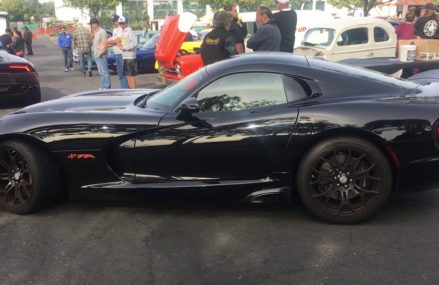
{"points": [[219, 43], [426, 25], [28, 40], [286, 20], [237, 28], [6, 40]]}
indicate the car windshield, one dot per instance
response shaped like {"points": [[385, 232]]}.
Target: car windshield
{"points": [[169, 97], [152, 42], [319, 37]]}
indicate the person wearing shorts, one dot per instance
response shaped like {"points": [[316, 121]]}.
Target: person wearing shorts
{"points": [[128, 45]]}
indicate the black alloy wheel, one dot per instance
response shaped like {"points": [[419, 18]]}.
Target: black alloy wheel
{"points": [[344, 180], [28, 178], [15, 178]]}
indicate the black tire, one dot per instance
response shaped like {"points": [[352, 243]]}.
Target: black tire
{"points": [[344, 180], [28, 177]]}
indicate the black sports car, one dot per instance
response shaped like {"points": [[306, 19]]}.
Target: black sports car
{"points": [[252, 126], [18, 80]]}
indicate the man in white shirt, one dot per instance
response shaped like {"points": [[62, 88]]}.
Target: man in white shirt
{"points": [[128, 45], [113, 41]]}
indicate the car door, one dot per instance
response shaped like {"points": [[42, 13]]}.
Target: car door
{"points": [[243, 127], [353, 42]]}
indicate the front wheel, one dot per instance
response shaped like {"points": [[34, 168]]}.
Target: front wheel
{"points": [[344, 180], [28, 178]]}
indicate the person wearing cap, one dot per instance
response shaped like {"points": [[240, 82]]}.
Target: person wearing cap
{"points": [[113, 41], [82, 42], [65, 44], [218, 44], [267, 37], [237, 28], [128, 46], [286, 20], [427, 25], [100, 52]]}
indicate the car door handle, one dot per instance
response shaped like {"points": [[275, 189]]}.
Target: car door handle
{"points": [[371, 54]]}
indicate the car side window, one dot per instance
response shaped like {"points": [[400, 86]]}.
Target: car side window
{"points": [[380, 35], [242, 91], [354, 36]]}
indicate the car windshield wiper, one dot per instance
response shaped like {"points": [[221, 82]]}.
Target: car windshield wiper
{"points": [[145, 101]]}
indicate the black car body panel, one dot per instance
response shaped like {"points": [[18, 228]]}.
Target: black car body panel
{"points": [[114, 140]]}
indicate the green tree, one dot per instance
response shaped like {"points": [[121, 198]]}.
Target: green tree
{"points": [[23, 10], [94, 6], [47, 9]]}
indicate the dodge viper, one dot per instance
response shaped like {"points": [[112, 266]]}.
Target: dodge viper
{"points": [[254, 126]]}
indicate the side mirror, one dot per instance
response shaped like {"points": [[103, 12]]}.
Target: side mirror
{"points": [[190, 106]]}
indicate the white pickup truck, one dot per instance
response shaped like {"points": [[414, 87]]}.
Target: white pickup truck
{"points": [[349, 38]]}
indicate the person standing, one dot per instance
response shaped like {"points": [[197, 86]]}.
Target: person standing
{"points": [[426, 25], [6, 40], [65, 44], [100, 52], [237, 29], [82, 42], [18, 43], [406, 30], [219, 44], [286, 20], [28, 40], [114, 40], [128, 45], [267, 37]]}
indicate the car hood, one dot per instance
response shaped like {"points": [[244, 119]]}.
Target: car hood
{"points": [[92, 101], [310, 51], [172, 36]]}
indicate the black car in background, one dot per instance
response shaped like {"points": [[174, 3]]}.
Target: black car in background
{"points": [[18, 80]]}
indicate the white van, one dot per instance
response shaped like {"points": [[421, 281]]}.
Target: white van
{"points": [[4, 21]]}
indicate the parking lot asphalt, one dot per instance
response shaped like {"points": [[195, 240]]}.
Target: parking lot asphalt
{"points": [[209, 242]]}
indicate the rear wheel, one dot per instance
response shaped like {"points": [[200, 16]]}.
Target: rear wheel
{"points": [[344, 180], [28, 178]]}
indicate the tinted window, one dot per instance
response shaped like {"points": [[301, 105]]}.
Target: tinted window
{"points": [[355, 36], [380, 35], [362, 73], [242, 91], [169, 97]]}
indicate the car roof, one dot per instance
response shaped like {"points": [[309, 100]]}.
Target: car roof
{"points": [[258, 61], [5, 57], [339, 24]]}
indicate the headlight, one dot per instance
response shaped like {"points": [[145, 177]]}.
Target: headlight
{"points": [[178, 70]]}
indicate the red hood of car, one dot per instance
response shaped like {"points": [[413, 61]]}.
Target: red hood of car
{"points": [[172, 36]]}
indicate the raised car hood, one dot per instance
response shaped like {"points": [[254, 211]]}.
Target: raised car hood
{"points": [[309, 51], [172, 36], [96, 101]]}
